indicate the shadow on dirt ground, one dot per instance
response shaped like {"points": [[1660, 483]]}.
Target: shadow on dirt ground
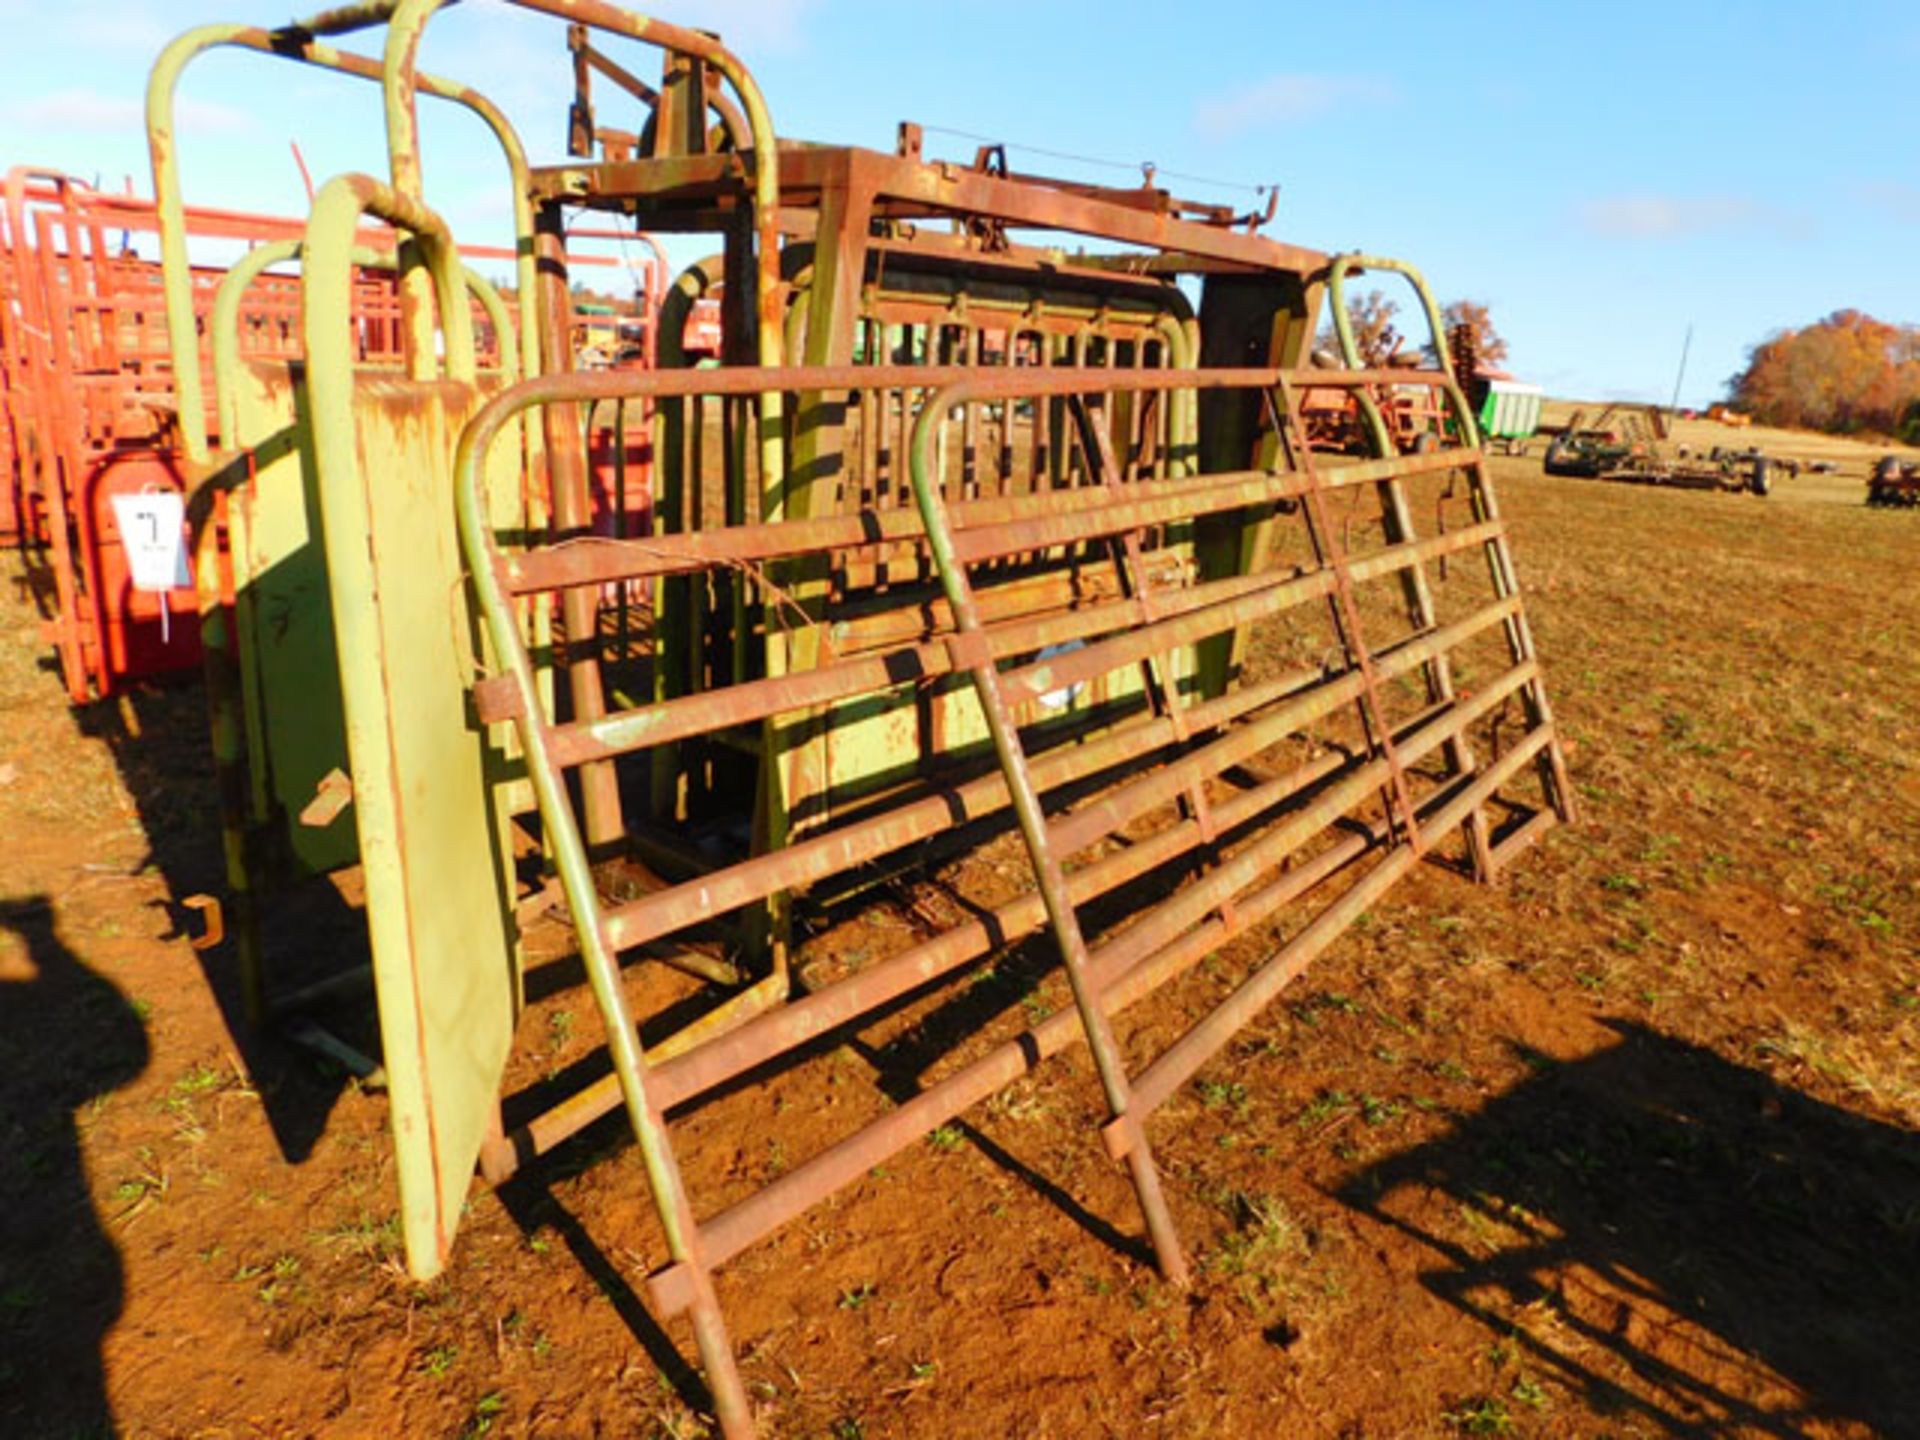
{"points": [[68, 1039], [157, 736], [530, 1200], [1659, 1228]]}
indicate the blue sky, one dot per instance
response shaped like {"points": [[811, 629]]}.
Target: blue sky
{"points": [[1601, 176]]}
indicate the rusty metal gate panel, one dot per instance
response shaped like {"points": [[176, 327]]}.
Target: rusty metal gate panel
{"points": [[1320, 783], [90, 391]]}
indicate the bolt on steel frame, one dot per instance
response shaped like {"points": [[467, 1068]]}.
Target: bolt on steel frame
{"points": [[971, 537]]}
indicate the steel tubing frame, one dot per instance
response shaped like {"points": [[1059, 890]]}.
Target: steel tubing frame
{"points": [[299, 42], [684, 1078], [1121, 976], [681, 1080], [1123, 968], [1126, 1136]]}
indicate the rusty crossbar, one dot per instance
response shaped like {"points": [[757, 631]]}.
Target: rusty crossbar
{"points": [[1285, 828]]}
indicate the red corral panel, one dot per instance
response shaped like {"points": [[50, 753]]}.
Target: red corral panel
{"points": [[141, 632]]}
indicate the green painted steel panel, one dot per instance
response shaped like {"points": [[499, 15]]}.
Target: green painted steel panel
{"points": [[432, 835], [296, 733]]}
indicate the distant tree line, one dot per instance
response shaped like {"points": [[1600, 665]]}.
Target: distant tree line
{"points": [[1846, 373]]}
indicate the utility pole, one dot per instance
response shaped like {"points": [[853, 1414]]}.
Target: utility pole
{"points": [[1673, 410]]}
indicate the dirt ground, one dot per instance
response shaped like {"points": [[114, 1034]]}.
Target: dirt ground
{"points": [[1626, 1146]]}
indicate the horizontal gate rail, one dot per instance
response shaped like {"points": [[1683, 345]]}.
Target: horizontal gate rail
{"points": [[684, 1078]]}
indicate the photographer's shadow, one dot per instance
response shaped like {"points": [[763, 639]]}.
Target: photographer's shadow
{"points": [[68, 1038]]}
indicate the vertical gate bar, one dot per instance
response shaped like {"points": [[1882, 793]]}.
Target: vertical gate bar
{"points": [[566, 468], [1130, 566], [572, 862], [1012, 452], [1499, 557], [83, 653], [795, 764], [1506, 584], [1157, 671], [970, 652], [624, 641], [970, 426], [1398, 520], [1458, 751], [1398, 517], [1331, 553], [736, 416]]}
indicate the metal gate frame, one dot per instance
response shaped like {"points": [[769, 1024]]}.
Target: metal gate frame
{"points": [[446, 1008], [446, 997], [1161, 943]]}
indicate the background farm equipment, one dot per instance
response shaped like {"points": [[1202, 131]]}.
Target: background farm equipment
{"points": [[1894, 483], [1628, 444], [1588, 452], [1506, 410], [961, 552]]}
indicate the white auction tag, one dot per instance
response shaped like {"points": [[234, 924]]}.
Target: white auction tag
{"points": [[1061, 699], [152, 531]]}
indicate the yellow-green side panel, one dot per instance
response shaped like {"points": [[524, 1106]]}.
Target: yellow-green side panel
{"points": [[437, 881], [296, 734]]}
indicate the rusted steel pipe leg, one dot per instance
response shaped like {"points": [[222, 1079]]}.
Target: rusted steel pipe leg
{"points": [[971, 652], [1066, 929], [567, 467]]}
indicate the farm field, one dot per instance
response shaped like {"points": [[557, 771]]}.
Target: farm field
{"points": [[1628, 1145]]}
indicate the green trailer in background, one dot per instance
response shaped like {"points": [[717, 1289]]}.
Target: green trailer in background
{"points": [[1508, 411]]}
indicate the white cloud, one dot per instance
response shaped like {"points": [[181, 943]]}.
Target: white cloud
{"points": [[1288, 99], [93, 112], [76, 109], [1675, 217]]}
